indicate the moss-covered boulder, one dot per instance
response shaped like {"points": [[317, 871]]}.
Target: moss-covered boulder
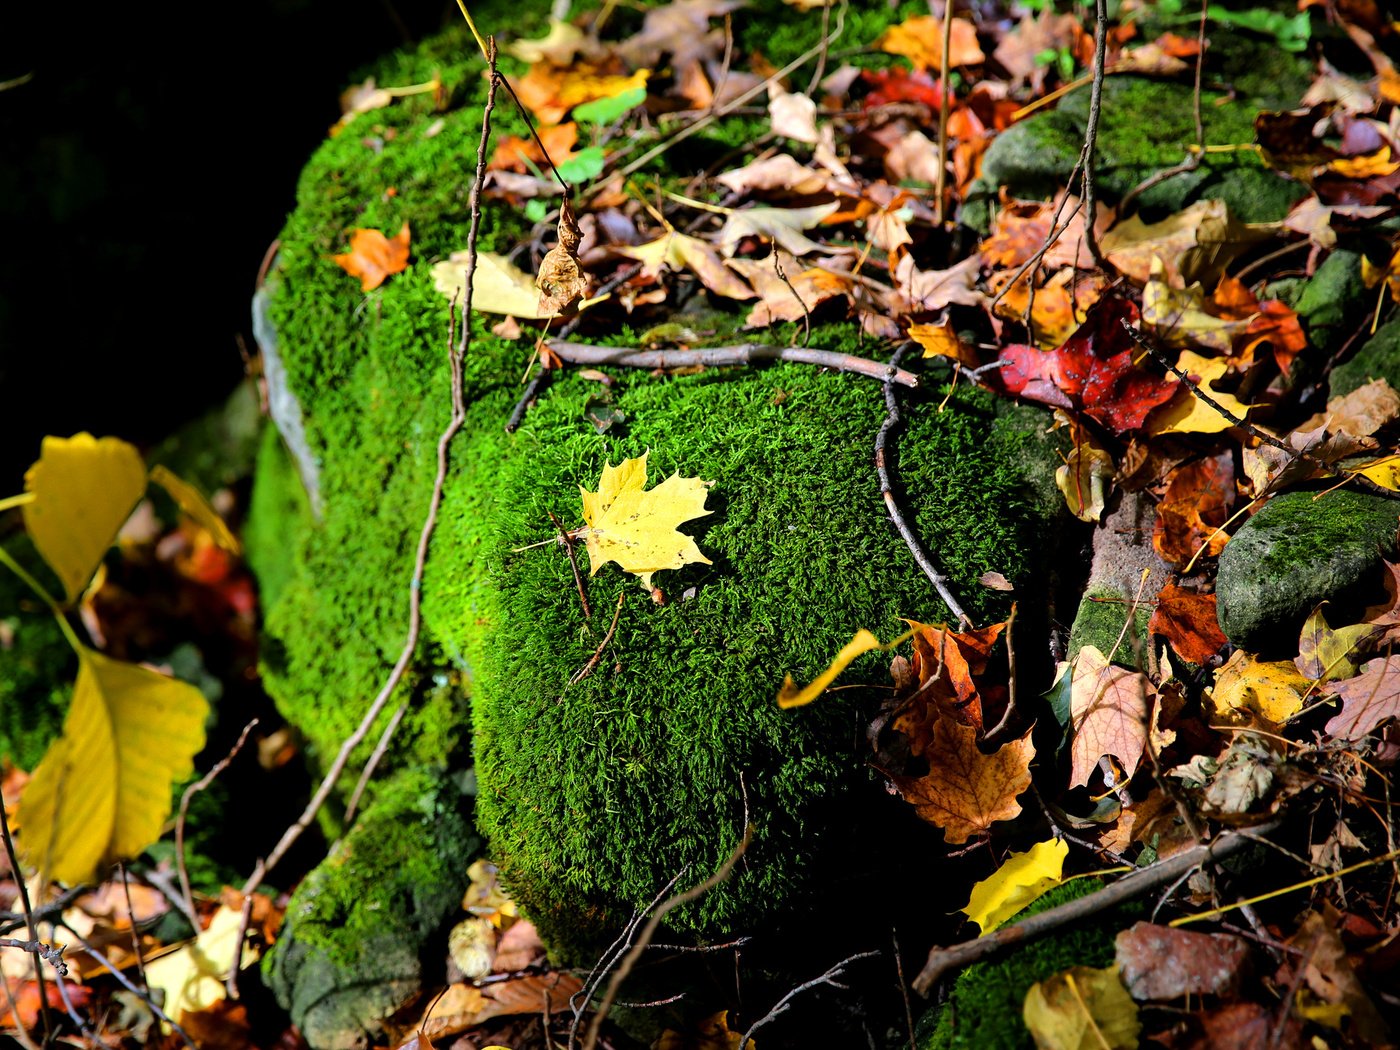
{"points": [[350, 949], [1299, 550], [1034, 158], [1378, 358], [595, 794]]}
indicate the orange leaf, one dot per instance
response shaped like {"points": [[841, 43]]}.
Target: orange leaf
{"points": [[966, 791], [373, 257], [1188, 622], [517, 154], [920, 39], [1195, 504]]}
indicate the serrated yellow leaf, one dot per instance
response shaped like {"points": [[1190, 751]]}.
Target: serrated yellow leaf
{"points": [[84, 489], [193, 977], [637, 529], [196, 507], [1188, 414], [102, 791], [1022, 879]]}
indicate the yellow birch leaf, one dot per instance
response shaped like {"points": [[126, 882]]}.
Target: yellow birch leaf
{"points": [[1188, 414], [84, 489], [1021, 880], [1082, 1009], [862, 642], [637, 529], [1247, 687], [102, 792], [196, 507], [1385, 472], [193, 976]]}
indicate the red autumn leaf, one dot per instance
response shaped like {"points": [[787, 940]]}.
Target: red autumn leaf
{"points": [[1195, 505], [1092, 373], [26, 1003], [1277, 324], [373, 257], [1188, 622], [897, 84]]}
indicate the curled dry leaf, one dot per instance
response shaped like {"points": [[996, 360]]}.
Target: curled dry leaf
{"points": [[561, 279], [677, 251]]}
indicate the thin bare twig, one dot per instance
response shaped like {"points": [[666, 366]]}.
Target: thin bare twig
{"points": [[1057, 230], [903, 988], [649, 931], [376, 756], [944, 108], [806, 314], [588, 668], [1091, 133], [781, 1006], [720, 356], [126, 982], [135, 933], [51, 955], [568, 542], [992, 735], [245, 916], [30, 924], [457, 358], [185, 798], [942, 961], [820, 67], [884, 456]]}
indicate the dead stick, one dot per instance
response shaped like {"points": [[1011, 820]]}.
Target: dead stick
{"points": [[944, 92], [1091, 133], [381, 747], [649, 931], [568, 542], [720, 356], [781, 1006], [31, 925], [884, 455], [185, 799], [456, 357], [942, 961], [588, 668]]}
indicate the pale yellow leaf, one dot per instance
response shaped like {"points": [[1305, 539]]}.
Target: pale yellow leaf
{"points": [[781, 226], [1108, 715], [498, 286], [84, 489], [1082, 1009], [559, 46], [1084, 480], [1180, 317], [102, 792], [1246, 687], [677, 251], [1022, 879], [196, 507], [941, 340], [193, 976], [639, 529]]}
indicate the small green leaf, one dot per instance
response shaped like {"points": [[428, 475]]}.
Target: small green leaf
{"points": [[582, 166], [605, 110]]}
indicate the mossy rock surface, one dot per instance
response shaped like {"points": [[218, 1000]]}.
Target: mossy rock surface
{"points": [[1299, 551], [1378, 358], [1145, 126], [595, 795], [352, 948]]}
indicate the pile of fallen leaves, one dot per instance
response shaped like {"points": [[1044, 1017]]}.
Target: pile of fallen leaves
{"points": [[1158, 350]]}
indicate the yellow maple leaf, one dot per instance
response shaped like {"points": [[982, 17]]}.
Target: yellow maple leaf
{"points": [[637, 529], [1269, 690], [498, 286], [84, 489], [193, 976], [941, 340], [1021, 880], [102, 791]]}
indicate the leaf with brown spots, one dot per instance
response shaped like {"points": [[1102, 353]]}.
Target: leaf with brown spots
{"points": [[966, 791]]}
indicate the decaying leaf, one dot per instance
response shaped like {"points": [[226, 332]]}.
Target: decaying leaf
{"points": [[1108, 715], [1179, 314], [560, 46], [102, 791], [1193, 507], [780, 226], [84, 489], [680, 252], [1328, 974], [778, 172], [1196, 244], [792, 299], [373, 258], [947, 665], [193, 976], [966, 791], [1082, 1009], [1084, 479], [1325, 654], [639, 529], [1369, 699], [1021, 880], [1159, 962], [561, 279]]}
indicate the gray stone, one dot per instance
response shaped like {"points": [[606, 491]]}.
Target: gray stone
{"points": [[1295, 553], [1158, 962]]}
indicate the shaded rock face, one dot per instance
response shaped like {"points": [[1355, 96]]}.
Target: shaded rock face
{"points": [[593, 795], [1296, 552], [1378, 358]]}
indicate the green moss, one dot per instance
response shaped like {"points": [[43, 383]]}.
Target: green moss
{"points": [[349, 952], [37, 666], [1327, 304], [1100, 622], [1378, 358], [983, 1012], [279, 517], [595, 795]]}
